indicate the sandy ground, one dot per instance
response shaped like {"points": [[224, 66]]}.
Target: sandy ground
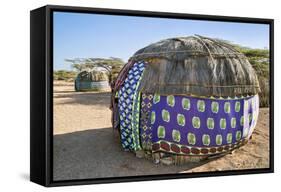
{"points": [[85, 145]]}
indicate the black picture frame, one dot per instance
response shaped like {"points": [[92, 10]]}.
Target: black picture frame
{"points": [[41, 91]]}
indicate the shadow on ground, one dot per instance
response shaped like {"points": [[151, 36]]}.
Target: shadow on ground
{"points": [[84, 98], [97, 153]]}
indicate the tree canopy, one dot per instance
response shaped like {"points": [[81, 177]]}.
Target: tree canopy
{"points": [[81, 64], [111, 65]]}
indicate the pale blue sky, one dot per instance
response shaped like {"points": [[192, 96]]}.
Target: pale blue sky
{"points": [[81, 35]]}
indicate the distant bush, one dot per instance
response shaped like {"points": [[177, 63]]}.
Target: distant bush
{"points": [[261, 53], [64, 75]]}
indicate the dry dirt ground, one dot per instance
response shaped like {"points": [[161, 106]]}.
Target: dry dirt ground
{"points": [[85, 145]]}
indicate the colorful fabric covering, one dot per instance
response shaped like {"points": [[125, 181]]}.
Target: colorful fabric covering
{"points": [[129, 108], [195, 126], [145, 124], [114, 91]]}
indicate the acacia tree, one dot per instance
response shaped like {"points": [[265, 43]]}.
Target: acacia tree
{"points": [[90, 64], [77, 67]]}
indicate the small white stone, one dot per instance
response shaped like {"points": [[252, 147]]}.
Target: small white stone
{"points": [[167, 161], [140, 154]]}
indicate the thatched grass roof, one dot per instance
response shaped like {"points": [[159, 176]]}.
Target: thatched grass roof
{"points": [[196, 65], [92, 76]]}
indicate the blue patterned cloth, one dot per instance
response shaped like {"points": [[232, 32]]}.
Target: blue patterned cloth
{"points": [[128, 107], [203, 122]]}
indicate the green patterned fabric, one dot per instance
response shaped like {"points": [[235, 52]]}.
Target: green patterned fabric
{"points": [[136, 121]]}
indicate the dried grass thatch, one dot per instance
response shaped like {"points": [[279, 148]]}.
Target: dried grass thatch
{"points": [[115, 72], [196, 65], [92, 76]]}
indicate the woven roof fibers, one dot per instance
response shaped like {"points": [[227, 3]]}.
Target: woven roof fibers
{"points": [[196, 65]]}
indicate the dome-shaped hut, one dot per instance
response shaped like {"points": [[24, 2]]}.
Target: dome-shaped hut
{"points": [[91, 81], [189, 96]]}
